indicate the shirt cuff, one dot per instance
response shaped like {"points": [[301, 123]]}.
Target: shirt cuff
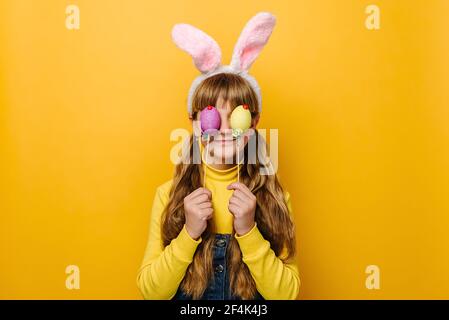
{"points": [[185, 246], [251, 241]]}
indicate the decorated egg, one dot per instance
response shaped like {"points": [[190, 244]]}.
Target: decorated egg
{"points": [[240, 120], [210, 120]]}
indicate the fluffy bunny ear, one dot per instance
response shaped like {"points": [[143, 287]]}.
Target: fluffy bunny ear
{"points": [[252, 40], [204, 50]]}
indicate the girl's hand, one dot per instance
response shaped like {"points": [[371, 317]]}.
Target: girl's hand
{"points": [[197, 210], [242, 205]]}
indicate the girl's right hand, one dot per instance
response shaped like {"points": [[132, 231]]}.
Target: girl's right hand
{"points": [[197, 210]]}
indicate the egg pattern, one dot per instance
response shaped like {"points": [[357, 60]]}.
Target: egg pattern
{"points": [[210, 120], [240, 120]]}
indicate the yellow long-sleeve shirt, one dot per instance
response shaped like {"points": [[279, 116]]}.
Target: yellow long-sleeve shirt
{"points": [[163, 269]]}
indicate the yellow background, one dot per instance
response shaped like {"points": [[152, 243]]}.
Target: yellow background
{"points": [[86, 115]]}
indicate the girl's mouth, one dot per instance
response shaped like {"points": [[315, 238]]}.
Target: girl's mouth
{"points": [[225, 141]]}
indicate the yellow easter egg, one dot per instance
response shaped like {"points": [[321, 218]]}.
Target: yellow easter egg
{"points": [[241, 118]]}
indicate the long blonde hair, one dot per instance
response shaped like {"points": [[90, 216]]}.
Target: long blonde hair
{"points": [[272, 215]]}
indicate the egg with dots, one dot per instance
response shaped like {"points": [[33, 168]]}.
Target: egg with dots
{"points": [[240, 120], [210, 120]]}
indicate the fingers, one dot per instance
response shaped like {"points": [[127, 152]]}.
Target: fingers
{"points": [[200, 199], [193, 194], [236, 201], [202, 190], [199, 192], [205, 205], [242, 192], [241, 187], [240, 195], [234, 209], [206, 214], [237, 206]]}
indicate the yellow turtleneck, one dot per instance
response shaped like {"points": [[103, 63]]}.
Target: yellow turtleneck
{"points": [[163, 269], [216, 181]]}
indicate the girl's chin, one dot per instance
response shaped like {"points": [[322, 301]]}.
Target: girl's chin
{"points": [[224, 156]]}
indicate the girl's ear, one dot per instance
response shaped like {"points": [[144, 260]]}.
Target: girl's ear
{"points": [[205, 52], [252, 40]]}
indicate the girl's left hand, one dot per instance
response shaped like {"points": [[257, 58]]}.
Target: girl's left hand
{"points": [[242, 205]]}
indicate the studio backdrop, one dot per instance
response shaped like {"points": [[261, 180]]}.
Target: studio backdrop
{"points": [[91, 93]]}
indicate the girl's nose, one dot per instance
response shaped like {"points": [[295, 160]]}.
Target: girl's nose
{"points": [[225, 123]]}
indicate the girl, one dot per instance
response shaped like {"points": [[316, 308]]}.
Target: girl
{"points": [[221, 229]]}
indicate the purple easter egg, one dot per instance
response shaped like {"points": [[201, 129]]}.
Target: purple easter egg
{"points": [[210, 119]]}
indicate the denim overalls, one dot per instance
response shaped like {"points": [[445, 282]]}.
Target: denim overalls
{"points": [[219, 287]]}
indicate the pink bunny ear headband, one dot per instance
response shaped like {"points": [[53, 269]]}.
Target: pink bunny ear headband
{"points": [[206, 53]]}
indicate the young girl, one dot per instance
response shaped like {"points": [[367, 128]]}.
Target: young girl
{"points": [[221, 229]]}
